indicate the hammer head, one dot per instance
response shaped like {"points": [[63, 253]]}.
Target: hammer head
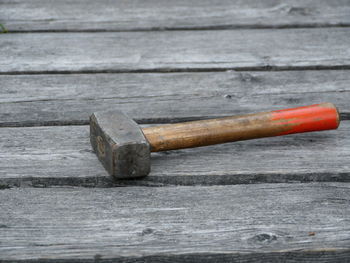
{"points": [[119, 144]]}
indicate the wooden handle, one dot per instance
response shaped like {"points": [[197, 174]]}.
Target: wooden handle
{"points": [[317, 117]]}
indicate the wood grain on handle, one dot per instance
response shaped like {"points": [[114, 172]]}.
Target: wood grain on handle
{"points": [[317, 117]]}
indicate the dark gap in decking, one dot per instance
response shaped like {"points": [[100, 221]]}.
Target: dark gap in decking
{"points": [[86, 122], [106, 181], [181, 70], [345, 116], [196, 28]]}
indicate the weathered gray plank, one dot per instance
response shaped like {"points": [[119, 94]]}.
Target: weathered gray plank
{"points": [[61, 155], [260, 223], [175, 50], [57, 99], [78, 15]]}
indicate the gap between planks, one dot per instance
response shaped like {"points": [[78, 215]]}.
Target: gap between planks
{"points": [[199, 28], [265, 68], [344, 116]]}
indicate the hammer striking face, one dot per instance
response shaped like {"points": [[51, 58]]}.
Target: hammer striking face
{"points": [[124, 148]]}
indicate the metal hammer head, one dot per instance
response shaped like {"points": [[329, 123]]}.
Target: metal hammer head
{"points": [[120, 144]]}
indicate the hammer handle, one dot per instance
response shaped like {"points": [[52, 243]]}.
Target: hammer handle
{"points": [[317, 117]]}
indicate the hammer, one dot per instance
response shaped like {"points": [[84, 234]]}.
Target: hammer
{"points": [[125, 149]]}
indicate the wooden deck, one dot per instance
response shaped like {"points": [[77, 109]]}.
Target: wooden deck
{"points": [[283, 199]]}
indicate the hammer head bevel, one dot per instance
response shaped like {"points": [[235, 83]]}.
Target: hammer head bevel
{"points": [[120, 144]]}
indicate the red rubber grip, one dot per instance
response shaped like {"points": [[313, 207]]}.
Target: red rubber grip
{"points": [[316, 117]]}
